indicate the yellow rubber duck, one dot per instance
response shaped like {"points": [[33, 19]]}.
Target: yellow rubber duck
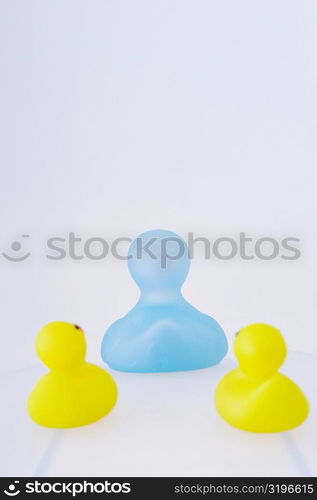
{"points": [[255, 397], [74, 392]]}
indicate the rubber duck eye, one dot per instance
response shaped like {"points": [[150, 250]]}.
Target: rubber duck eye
{"points": [[237, 333], [77, 327]]}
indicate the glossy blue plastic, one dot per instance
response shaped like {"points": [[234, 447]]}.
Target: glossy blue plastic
{"points": [[163, 332]]}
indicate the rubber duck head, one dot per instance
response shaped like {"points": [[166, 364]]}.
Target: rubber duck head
{"points": [[159, 261], [260, 350], [60, 345]]}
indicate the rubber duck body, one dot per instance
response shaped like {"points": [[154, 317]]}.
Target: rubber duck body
{"points": [[255, 397], [74, 392]]}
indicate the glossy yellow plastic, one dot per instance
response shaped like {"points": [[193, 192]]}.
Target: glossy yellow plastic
{"points": [[74, 392], [255, 396]]}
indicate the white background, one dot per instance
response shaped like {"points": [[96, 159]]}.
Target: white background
{"points": [[123, 116]]}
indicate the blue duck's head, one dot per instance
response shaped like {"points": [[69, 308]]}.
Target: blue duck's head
{"points": [[158, 260]]}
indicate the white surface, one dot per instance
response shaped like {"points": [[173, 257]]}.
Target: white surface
{"points": [[163, 425], [119, 117]]}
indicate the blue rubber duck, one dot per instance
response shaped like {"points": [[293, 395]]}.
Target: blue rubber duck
{"points": [[163, 332]]}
